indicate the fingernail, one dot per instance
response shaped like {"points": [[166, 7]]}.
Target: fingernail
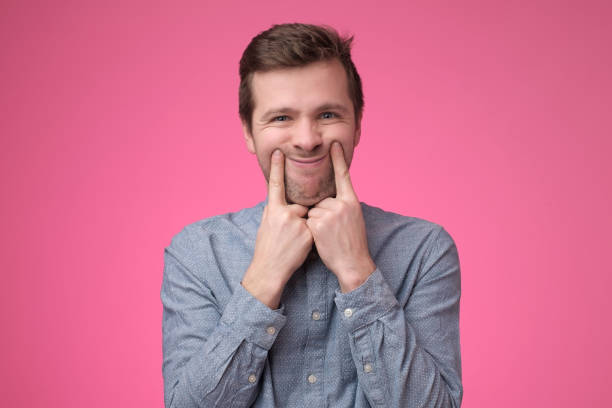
{"points": [[276, 153]]}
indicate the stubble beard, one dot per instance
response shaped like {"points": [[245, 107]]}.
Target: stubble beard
{"points": [[296, 193]]}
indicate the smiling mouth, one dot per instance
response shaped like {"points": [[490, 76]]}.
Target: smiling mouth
{"points": [[308, 162]]}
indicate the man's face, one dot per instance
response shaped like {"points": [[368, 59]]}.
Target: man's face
{"points": [[301, 111]]}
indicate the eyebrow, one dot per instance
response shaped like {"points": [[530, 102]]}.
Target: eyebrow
{"points": [[285, 110]]}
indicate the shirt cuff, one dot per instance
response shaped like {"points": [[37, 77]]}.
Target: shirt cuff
{"points": [[367, 303], [252, 320]]}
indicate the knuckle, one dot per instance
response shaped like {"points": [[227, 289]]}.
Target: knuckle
{"points": [[316, 225], [284, 216]]}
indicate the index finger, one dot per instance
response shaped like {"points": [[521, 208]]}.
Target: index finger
{"points": [[276, 180], [344, 187]]}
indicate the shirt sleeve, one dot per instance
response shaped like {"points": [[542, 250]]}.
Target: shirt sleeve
{"points": [[211, 357], [409, 356]]}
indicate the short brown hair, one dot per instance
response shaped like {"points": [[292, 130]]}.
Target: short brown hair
{"points": [[295, 45]]}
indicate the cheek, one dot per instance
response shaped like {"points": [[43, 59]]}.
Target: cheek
{"points": [[270, 139], [264, 162], [348, 145], [348, 155], [266, 143]]}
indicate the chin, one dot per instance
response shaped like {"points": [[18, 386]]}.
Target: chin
{"points": [[308, 201], [309, 193]]}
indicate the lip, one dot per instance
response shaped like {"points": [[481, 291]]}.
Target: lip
{"points": [[309, 162]]}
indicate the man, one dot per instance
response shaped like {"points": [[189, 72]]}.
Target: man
{"points": [[310, 299]]}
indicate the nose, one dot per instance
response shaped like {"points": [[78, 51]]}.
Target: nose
{"points": [[307, 136]]}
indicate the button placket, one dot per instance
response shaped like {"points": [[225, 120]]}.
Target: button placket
{"points": [[317, 292]]}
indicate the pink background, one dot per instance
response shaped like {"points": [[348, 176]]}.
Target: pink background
{"points": [[119, 126]]}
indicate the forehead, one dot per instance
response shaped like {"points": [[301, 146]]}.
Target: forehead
{"points": [[301, 87]]}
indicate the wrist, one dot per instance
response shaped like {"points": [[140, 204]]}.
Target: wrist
{"points": [[355, 276], [268, 291]]}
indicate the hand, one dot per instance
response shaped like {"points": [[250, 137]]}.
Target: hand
{"points": [[338, 229], [283, 240]]}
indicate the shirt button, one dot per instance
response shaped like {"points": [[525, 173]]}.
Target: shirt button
{"points": [[252, 378], [316, 315], [348, 312], [312, 378], [367, 368], [271, 330]]}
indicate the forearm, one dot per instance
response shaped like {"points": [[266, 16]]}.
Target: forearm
{"points": [[400, 364], [211, 376], [213, 355], [225, 368]]}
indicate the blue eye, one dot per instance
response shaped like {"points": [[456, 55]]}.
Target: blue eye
{"points": [[281, 118], [328, 115]]}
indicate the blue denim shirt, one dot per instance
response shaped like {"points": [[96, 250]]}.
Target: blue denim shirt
{"points": [[392, 342]]}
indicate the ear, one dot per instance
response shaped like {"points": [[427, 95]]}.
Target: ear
{"points": [[248, 138]]}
